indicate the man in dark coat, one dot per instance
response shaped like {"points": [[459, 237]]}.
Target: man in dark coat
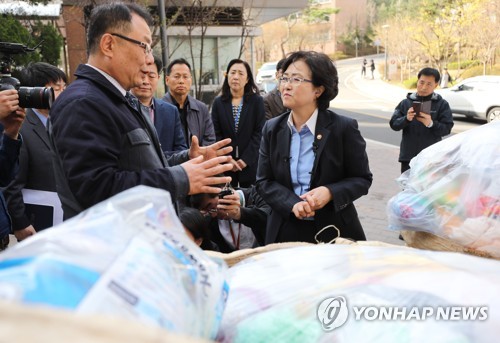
{"points": [[102, 143], [164, 116], [195, 118], [11, 119], [272, 101], [426, 127], [35, 174]]}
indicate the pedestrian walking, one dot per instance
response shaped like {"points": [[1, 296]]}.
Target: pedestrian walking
{"points": [[445, 79], [372, 68], [363, 68]]}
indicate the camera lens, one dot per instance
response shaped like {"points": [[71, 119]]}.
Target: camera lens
{"points": [[36, 97]]}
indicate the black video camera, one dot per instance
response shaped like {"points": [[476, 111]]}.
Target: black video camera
{"points": [[29, 97]]}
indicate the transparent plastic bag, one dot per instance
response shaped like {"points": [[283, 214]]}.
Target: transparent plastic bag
{"points": [[276, 296], [453, 190], [127, 256]]}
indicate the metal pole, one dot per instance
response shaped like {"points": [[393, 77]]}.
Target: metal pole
{"points": [[163, 36], [386, 71]]}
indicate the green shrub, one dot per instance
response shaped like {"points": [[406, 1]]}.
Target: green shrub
{"points": [[410, 83], [338, 55], [478, 70], [463, 64]]}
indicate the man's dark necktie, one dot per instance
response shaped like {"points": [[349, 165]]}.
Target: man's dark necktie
{"points": [[132, 100]]}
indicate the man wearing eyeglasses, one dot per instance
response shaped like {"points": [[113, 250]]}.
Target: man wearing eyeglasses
{"points": [[164, 116], [102, 143], [196, 120], [272, 100]]}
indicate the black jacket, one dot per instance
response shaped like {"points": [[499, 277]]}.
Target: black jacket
{"points": [[273, 104], [35, 170], [417, 137], [246, 141], [103, 146], [9, 154], [198, 119], [341, 165]]}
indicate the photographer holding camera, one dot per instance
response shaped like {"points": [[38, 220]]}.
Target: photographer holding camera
{"points": [[35, 174], [11, 119], [237, 218]]}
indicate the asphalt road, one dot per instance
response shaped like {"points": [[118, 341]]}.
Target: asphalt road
{"points": [[372, 102]]}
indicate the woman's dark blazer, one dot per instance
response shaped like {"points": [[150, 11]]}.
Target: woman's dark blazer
{"points": [[341, 165], [252, 119]]}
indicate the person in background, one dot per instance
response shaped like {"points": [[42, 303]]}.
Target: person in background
{"points": [[445, 79], [35, 170], [239, 114], [372, 68], [195, 118], [363, 67], [11, 119], [272, 100], [164, 116], [236, 220], [313, 163], [102, 143], [195, 225], [424, 129]]}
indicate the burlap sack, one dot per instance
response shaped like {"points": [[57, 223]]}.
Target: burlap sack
{"points": [[28, 324], [237, 256], [429, 241]]}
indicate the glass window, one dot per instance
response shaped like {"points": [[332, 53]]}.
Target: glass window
{"points": [[180, 48]]}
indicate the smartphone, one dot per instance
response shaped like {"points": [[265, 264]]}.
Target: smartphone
{"points": [[416, 107], [224, 192]]}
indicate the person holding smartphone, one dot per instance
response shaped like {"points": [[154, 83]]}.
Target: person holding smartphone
{"points": [[424, 116]]}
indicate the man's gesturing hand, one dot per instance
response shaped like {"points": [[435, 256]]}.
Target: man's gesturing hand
{"points": [[219, 148], [202, 175]]}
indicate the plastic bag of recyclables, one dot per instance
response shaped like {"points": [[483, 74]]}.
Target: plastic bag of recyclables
{"points": [[127, 256], [453, 191], [354, 293]]}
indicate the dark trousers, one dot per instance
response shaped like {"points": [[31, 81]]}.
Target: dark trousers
{"points": [[295, 230]]}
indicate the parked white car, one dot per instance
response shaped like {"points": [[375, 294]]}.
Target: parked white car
{"points": [[266, 73], [477, 96]]}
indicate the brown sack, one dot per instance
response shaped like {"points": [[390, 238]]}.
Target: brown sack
{"points": [[429, 241], [29, 323]]}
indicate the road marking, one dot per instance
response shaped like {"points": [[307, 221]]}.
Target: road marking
{"points": [[367, 124], [372, 141], [366, 114]]}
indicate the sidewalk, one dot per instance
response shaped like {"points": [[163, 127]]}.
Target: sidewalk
{"points": [[372, 207], [384, 91]]}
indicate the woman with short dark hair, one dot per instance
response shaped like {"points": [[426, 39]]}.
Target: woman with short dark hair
{"points": [[312, 162]]}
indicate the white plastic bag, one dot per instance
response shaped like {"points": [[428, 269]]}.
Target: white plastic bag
{"points": [[453, 190], [127, 256], [277, 296]]}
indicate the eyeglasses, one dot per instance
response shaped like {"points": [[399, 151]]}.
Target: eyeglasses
{"points": [[147, 48], [293, 80], [183, 77], [206, 212]]}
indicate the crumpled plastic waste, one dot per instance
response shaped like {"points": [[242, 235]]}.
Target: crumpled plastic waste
{"points": [[127, 256], [452, 190]]}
